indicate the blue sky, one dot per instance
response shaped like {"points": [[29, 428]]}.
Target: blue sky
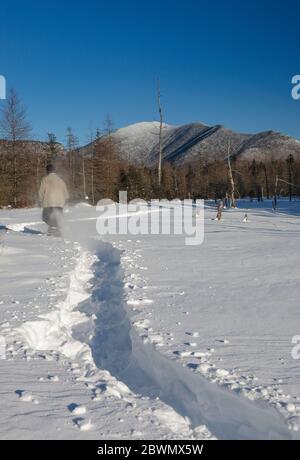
{"points": [[228, 62]]}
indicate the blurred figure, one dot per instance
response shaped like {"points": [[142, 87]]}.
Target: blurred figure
{"points": [[53, 195]]}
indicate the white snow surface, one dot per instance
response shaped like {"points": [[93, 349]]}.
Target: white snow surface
{"points": [[142, 337], [138, 140]]}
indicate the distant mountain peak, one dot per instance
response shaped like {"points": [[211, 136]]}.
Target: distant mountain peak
{"points": [[138, 143]]}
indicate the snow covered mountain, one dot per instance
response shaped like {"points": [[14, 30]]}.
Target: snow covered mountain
{"points": [[138, 143]]}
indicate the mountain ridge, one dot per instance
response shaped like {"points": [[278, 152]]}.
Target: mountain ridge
{"points": [[138, 144]]}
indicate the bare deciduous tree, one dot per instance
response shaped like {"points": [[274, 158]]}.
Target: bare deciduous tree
{"points": [[160, 133], [14, 128], [231, 179], [290, 161], [108, 125], [72, 143], [274, 202], [53, 152]]}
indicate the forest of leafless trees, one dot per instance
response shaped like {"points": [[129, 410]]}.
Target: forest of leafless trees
{"points": [[98, 172]]}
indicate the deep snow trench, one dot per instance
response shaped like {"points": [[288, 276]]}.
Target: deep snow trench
{"points": [[116, 347]]}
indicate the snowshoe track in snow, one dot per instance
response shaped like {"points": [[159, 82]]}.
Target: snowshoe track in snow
{"points": [[117, 347], [92, 327]]}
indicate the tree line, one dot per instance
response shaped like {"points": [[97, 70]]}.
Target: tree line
{"points": [[97, 171]]}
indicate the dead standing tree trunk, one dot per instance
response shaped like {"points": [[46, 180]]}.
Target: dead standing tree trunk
{"points": [[83, 178], [266, 181], [231, 179], [71, 144], [274, 204], [92, 177], [160, 133], [290, 161]]}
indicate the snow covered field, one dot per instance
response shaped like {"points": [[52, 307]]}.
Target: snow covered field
{"points": [[144, 337]]}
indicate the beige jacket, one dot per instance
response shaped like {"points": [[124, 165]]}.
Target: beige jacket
{"points": [[53, 192]]}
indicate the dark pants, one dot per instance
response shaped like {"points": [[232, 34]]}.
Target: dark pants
{"points": [[53, 217]]}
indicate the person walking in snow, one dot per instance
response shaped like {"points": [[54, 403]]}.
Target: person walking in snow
{"points": [[53, 195]]}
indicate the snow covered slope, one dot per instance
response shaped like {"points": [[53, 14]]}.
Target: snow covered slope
{"points": [[138, 143], [113, 338]]}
